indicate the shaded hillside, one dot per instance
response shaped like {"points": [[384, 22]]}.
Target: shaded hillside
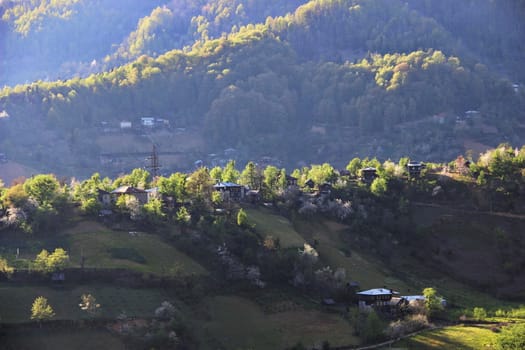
{"points": [[330, 72]]}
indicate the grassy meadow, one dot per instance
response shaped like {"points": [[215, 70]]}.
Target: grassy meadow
{"points": [[461, 337], [220, 326], [140, 251], [64, 301], [269, 224], [48, 339]]}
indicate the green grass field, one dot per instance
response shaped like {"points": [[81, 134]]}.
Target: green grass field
{"points": [[48, 339], [456, 337], [268, 224], [233, 322], [113, 301], [158, 257], [332, 250]]}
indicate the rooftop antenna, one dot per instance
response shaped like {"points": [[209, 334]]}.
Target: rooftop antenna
{"points": [[154, 162]]}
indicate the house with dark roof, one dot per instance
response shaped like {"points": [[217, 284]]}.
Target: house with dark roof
{"points": [[104, 198], [414, 169], [368, 174], [139, 194]]}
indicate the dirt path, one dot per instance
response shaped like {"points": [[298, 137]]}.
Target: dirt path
{"points": [[472, 212]]}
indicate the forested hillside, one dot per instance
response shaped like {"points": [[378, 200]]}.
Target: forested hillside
{"points": [[328, 79]]}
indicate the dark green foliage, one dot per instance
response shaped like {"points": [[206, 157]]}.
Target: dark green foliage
{"points": [[130, 254]]}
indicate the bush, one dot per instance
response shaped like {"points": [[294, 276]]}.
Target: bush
{"points": [[479, 313], [408, 325], [511, 338]]}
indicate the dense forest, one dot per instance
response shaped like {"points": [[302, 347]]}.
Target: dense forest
{"points": [[266, 78]]}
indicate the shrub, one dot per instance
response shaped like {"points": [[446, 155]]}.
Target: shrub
{"points": [[410, 324]]}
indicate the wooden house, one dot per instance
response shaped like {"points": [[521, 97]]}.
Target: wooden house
{"points": [[291, 181], [230, 191], [375, 297], [368, 174], [104, 198], [325, 188], [309, 183], [139, 194], [414, 169]]}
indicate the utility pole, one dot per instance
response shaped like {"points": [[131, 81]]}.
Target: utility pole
{"points": [[154, 165]]}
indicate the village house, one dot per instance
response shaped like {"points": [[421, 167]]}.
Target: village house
{"points": [[230, 191], [368, 174], [414, 169], [104, 198], [140, 195], [290, 181], [375, 297], [126, 125], [147, 122]]}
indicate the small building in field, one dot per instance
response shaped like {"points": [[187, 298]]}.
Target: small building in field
{"points": [[230, 191], [368, 174], [414, 168], [139, 194]]}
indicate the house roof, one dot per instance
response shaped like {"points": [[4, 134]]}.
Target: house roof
{"points": [[127, 190], [378, 291], [413, 297], [226, 184]]}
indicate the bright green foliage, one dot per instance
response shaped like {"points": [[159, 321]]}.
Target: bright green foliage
{"points": [[322, 173], [432, 301], [51, 262], [200, 184], [15, 196], [379, 186], [479, 313], [230, 174], [153, 211], [216, 173], [354, 166], [242, 218], [43, 188], [182, 216], [173, 186], [5, 269], [41, 310], [511, 337], [138, 178], [251, 176]]}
